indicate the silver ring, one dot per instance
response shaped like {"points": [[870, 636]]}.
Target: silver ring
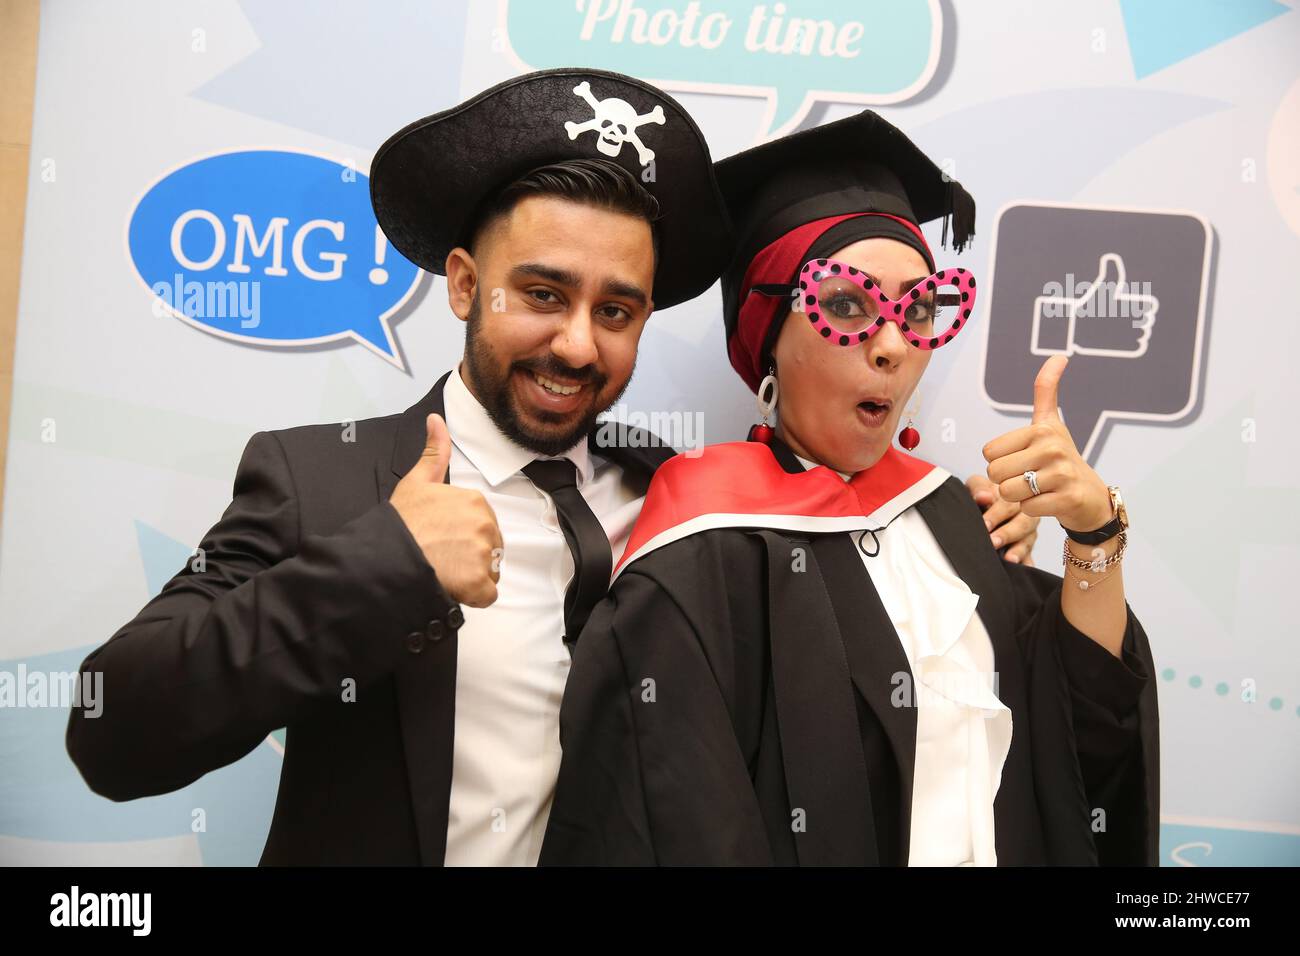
{"points": [[1032, 478]]}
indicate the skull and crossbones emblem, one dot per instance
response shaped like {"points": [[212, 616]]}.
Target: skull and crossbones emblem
{"points": [[615, 123]]}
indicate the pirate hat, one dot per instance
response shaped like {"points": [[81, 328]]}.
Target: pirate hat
{"points": [[429, 180]]}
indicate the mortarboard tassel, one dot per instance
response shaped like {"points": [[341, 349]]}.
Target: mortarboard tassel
{"points": [[947, 215], [961, 213]]}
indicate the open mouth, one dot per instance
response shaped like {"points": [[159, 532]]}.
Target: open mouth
{"points": [[554, 387], [549, 395], [874, 412]]}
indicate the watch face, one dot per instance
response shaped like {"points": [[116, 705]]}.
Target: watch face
{"points": [[1118, 501]]}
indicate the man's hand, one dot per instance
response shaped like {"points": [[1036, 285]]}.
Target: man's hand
{"points": [[1007, 524], [454, 527]]}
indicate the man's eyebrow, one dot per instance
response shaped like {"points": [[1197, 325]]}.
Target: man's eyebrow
{"points": [[570, 279], [627, 290], [562, 277]]}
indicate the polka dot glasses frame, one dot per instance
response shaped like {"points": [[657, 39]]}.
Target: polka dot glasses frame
{"points": [[846, 306]]}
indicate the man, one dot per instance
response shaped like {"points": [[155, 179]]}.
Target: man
{"points": [[416, 663], [402, 602]]}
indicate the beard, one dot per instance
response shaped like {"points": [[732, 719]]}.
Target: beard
{"points": [[491, 379]]}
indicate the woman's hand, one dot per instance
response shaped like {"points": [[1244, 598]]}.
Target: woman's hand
{"points": [[1007, 525], [1071, 492]]}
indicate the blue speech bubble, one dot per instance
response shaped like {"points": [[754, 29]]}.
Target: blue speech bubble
{"points": [[792, 53], [271, 247]]}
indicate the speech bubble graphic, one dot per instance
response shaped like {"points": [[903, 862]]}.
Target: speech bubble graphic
{"points": [[1133, 321], [792, 53], [270, 247]]}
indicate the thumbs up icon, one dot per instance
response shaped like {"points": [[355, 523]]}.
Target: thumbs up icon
{"points": [[1102, 317]]}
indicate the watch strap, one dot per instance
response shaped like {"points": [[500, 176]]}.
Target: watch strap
{"points": [[1107, 531]]}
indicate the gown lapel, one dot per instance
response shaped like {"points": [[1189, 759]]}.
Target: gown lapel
{"points": [[821, 745], [877, 664], [870, 655]]}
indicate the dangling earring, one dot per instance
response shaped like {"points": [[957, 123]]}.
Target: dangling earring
{"points": [[763, 431], [909, 437]]}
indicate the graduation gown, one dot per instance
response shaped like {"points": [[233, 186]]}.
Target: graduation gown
{"points": [[726, 708]]}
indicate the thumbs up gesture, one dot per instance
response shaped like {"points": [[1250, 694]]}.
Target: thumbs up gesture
{"points": [[1070, 491], [455, 528]]}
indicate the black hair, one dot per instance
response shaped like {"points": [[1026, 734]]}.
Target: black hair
{"points": [[592, 182]]}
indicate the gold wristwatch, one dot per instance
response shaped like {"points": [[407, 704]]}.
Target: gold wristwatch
{"points": [[1118, 523]]}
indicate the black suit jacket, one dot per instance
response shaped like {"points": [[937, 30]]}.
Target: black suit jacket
{"points": [[309, 581]]}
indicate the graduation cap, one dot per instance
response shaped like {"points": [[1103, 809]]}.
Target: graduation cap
{"points": [[431, 178], [802, 196]]}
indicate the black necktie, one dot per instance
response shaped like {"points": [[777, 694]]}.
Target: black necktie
{"points": [[592, 558]]}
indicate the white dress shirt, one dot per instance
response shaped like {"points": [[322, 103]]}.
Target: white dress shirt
{"points": [[511, 662], [963, 731]]}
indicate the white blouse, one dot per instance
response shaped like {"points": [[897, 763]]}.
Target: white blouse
{"points": [[963, 731]]}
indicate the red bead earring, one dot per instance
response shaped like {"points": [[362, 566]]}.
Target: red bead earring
{"points": [[766, 396], [909, 437]]}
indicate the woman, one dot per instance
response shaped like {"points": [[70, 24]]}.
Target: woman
{"points": [[811, 653]]}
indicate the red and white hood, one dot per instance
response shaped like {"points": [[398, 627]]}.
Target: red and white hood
{"points": [[742, 485]]}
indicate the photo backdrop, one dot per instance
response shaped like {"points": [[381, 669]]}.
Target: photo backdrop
{"points": [[200, 263]]}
